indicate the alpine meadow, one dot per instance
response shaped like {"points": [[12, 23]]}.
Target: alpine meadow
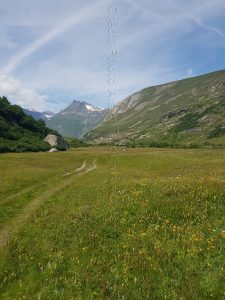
{"points": [[153, 228]]}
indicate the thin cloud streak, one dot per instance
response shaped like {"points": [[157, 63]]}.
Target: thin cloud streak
{"points": [[84, 15], [209, 28]]}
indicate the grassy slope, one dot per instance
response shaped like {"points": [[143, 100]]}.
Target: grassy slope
{"points": [[204, 98], [151, 230]]}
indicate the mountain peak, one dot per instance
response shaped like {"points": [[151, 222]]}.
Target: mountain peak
{"points": [[80, 107], [77, 118]]}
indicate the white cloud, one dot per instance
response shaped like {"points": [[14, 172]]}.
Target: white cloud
{"points": [[17, 94]]}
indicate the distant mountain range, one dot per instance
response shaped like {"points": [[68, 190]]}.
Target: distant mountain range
{"points": [[73, 121], [46, 115], [185, 113], [77, 119]]}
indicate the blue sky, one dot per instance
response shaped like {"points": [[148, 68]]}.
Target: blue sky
{"points": [[55, 51]]}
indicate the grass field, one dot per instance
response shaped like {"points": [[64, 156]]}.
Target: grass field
{"points": [[94, 224]]}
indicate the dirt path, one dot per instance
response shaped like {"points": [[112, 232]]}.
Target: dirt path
{"points": [[30, 188], [12, 197], [25, 190], [88, 170], [77, 170], [14, 224]]}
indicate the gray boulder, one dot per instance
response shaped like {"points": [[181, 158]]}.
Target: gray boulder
{"points": [[56, 141]]}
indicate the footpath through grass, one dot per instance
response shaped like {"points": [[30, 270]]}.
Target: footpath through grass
{"points": [[146, 224]]}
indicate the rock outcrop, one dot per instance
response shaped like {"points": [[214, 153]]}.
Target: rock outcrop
{"points": [[57, 142]]}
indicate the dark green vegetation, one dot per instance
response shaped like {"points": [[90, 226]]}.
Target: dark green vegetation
{"points": [[145, 224], [20, 132], [76, 119], [186, 113], [217, 132], [75, 143]]}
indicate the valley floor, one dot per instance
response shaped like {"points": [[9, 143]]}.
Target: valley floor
{"points": [[105, 223]]}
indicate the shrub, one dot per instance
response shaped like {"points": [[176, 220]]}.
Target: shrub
{"points": [[20, 132], [189, 121], [217, 132]]}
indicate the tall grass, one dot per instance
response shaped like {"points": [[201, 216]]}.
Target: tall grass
{"points": [[150, 228]]}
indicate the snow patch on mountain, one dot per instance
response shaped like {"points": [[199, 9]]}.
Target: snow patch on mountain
{"points": [[48, 117], [92, 108]]}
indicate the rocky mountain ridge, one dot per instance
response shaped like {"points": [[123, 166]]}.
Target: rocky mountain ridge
{"points": [[187, 113]]}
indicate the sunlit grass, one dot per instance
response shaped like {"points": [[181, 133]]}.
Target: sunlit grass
{"points": [[149, 227]]}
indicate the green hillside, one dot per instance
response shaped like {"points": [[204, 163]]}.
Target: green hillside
{"points": [[20, 132], [187, 113]]}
